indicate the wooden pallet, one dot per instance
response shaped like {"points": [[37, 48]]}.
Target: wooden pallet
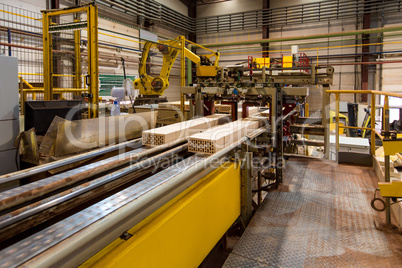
{"points": [[217, 138], [166, 134]]}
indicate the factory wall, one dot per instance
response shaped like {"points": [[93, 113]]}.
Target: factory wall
{"points": [[345, 76], [233, 6], [391, 74], [31, 5], [176, 5], [110, 57]]}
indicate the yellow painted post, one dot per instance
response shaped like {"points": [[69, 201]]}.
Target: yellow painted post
{"points": [[326, 120], [77, 49], [93, 63], [372, 147], [182, 73], [387, 174], [337, 122], [306, 110], [47, 58]]}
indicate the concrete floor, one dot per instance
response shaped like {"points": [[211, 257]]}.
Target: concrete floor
{"points": [[320, 217]]}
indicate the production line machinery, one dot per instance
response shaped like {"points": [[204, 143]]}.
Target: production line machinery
{"points": [[281, 90], [132, 205]]}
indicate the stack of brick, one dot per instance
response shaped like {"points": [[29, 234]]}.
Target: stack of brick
{"points": [[217, 138], [251, 111], [223, 108], [166, 134]]}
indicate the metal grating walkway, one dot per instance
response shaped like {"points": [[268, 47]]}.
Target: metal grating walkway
{"points": [[321, 218]]}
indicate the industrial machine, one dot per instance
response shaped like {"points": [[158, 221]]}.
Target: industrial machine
{"points": [[150, 86], [135, 205], [158, 206], [282, 93], [129, 204]]}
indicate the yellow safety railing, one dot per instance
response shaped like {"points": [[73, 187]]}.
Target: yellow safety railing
{"points": [[31, 89], [373, 93]]}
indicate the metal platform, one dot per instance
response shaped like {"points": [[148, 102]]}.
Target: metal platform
{"points": [[320, 218]]}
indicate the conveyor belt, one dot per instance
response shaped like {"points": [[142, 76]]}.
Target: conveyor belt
{"points": [[76, 236], [32, 190], [22, 219], [15, 176], [28, 248]]}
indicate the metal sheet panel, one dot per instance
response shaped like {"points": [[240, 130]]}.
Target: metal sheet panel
{"points": [[148, 36], [9, 88], [8, 162], [9, 130], [323, 220]]}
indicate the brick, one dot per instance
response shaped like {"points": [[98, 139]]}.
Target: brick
{"points": [[217, 138], [166, 134]]}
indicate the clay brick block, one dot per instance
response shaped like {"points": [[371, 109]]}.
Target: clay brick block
{"points": [[217, 138], [166, 134]]}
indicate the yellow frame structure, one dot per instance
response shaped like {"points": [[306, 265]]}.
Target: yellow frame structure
{"points": [[388, 148], [183, 231], [93, 61]]}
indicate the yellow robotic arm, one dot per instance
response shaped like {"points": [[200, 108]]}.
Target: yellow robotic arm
{"points": [[170, 49]]}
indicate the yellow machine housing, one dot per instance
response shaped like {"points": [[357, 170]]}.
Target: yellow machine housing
{"points": [[207, 71], [170, 49], [184, 230], [263, 62]]}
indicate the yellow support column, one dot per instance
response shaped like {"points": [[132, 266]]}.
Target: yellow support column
{"points": [[182, 73], [77, 49], [387, 175], [337, 123], [93, 61], [326, 120], [372, 147], [47, 58]]}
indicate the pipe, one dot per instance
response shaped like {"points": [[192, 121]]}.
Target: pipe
{"points": [[76, 249], [9, 41], [310, 43], [70, 160], [6, 220], [81, 173], [306, 37]]}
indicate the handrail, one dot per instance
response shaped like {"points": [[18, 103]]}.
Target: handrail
{"points": [[373, 109], [378, 134], [390, 94]]}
